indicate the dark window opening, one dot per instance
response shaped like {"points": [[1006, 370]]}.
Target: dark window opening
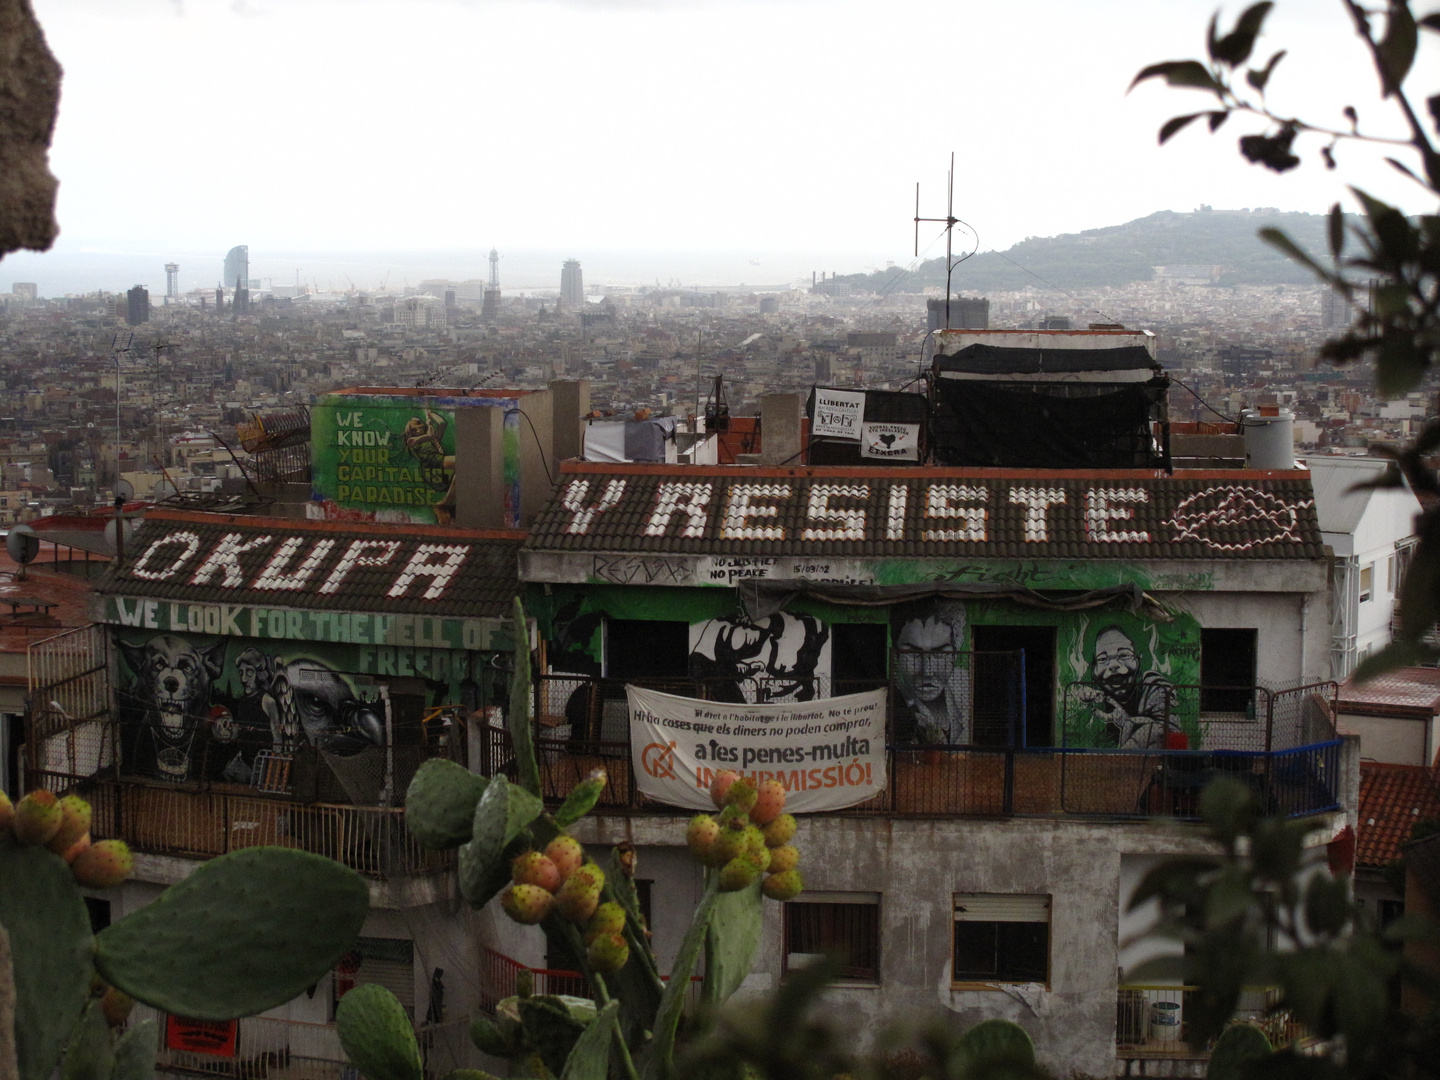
{"points": [[996, 703], [857, 656], [1227, 670], [99, 911], [647, 649], [851, 931], [1001, 938]]}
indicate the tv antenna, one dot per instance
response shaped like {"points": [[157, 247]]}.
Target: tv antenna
{"points": [[949, 221]]}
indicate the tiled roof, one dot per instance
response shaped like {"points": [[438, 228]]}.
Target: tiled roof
{"points": [[1406, 692], [1392, 799], [917, 512], [401, 569]]}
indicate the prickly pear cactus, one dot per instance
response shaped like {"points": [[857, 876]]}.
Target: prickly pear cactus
{"points": [[1236, 1046], [41, 909], [375, 1032], [991, 1044], [273, 920], [440, 803]]}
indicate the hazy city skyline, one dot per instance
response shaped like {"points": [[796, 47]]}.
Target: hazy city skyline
{"points": [[786, 134]]}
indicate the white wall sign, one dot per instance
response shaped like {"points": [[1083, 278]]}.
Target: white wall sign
{"points": [[890, 442], [829, 753], [838, 413]]}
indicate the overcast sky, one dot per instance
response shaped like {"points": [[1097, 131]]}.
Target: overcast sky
{"points": [[688, 125]]}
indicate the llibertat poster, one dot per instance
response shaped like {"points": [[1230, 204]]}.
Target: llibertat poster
{"points": [[829, 753]]}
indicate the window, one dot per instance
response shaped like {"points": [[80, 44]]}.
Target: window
{"points": [[1367, 582], [646, 649], [1001, 938], [857, 656], [844, 923], [1227, 669]]}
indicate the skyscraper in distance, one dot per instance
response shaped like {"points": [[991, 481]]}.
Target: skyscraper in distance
{"points": [[572, 285], [137, 308], [237, 267]]}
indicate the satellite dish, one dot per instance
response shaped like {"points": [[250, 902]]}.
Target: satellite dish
{"points": [[162, 491], [22, 544], [124, 490], [110, 532]]}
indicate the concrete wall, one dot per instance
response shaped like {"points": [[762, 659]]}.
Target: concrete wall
{"points": [[1293, 639], [537, 445], [1391, 739], [917, 867]]}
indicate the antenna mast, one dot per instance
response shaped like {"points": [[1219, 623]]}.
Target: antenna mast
{"points": [[949, 221]]}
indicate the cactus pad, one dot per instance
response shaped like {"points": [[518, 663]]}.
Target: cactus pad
{"points": [[1237, 1045], [375, 1031], [994, 1042], [243, 933], [730, 944], [135, 1052], [440, 803], [90, 1056], [590, 1057], [49, 929], [501, 815], [517, 716]]}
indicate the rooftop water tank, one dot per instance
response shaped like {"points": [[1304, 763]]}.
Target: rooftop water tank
{"points": [[1269, 438]]}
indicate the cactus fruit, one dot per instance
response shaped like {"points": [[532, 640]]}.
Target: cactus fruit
{"points": [[75, 817], [73, 851], [780, 831], [742, 794], [609, 918], [731, 843], [376, 1035], [720, 786], [607, 953], [769, 802], [591, 875], [785, 857], [527, 904], [566, 853], [700, 837], [7, 810], [103, 864], [737, 874], [37, 817], [533, 868], [578, 897], [758, 857], [783, 886], [116, 1005]]}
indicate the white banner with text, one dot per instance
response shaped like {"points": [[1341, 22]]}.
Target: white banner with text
{"points": [[829, 753]]}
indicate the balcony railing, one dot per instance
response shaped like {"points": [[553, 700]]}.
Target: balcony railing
{"points": [[499, 974], [1151, 1021], [271, 1049], [168, 820], [582, 723]]}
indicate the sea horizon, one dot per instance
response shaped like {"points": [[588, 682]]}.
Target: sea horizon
{"points": [[74, 268]]}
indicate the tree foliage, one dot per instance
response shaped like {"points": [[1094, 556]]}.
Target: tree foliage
{"points": [[1385, 264]]}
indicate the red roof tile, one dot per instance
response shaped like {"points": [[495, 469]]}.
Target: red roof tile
{"points": [[1392, 799], [1407, 692]]}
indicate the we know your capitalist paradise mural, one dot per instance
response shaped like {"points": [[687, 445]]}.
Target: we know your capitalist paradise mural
{"points": [[829, 753], [391, 457]]}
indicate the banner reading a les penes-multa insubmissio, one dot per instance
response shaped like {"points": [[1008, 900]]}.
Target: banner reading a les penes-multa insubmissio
{"points": [[829, 753]]}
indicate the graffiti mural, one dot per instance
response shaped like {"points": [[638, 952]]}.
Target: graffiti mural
{"points": [[391, 457], [197, 709], [931, 672], [1123, 678], [783, 658]]}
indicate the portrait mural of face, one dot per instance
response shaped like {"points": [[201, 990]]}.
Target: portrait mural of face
{"points": [[932, 672], [1125, 694], [783, 658]]}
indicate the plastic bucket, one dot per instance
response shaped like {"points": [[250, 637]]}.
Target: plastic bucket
{"points": [[1165, 1021]]}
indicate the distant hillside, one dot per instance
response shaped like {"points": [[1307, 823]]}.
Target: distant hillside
{"points": [[1120, 254]]}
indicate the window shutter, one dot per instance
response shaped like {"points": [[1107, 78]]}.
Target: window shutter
{"points": [[1000, 907]]}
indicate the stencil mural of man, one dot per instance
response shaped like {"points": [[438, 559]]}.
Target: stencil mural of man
{"points": [[782, 658], [424, 440], [933, 684], [1134, 704]]}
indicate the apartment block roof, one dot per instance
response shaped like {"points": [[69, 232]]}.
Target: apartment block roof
{"points": [[916, 512], [323, 565], [1408, 692]]}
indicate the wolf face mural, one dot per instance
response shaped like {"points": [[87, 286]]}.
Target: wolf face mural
{"points": [[783, 658], [171, 690], [181, 723]]}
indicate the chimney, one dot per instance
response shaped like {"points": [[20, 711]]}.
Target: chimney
{"points": [[780, 429]]}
